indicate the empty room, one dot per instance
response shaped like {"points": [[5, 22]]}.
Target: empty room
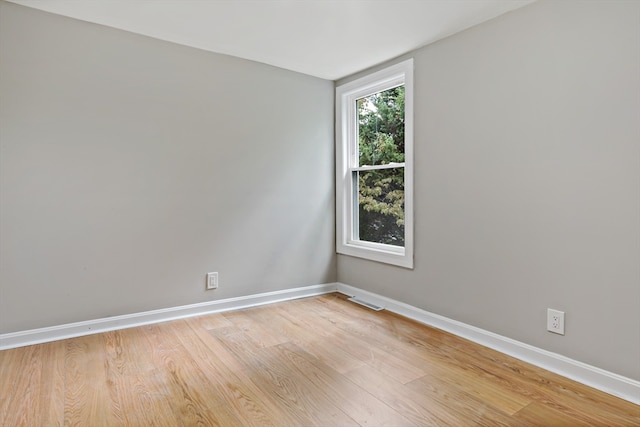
{"points": [[319, 213]]}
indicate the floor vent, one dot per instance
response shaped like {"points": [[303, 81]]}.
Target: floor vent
{"points": [[366, 304]]}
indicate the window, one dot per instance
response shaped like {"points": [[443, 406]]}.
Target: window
{"points": [[374, 166]]}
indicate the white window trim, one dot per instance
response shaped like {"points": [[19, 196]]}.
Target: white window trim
{"points": [[346, 95]]}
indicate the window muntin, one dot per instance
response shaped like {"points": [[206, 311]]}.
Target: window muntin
{"points": [[374, 166]]}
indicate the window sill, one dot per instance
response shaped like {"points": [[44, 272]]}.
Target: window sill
{"points": [[397, 257]]}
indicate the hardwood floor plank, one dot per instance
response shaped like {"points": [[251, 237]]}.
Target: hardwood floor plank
{"points": [[522, 382], [187, 385], [362, 406], [441, 361], [231, 368], [498, 395], [537, 414], [258, 332], [24, 403], [242, 401], [412, 405], [52, 380], [293, 323], [295, 392], [136, 382], [311, 362], [87, 395], [469, 407], [10, 373], [210, 321], [390, 363]]}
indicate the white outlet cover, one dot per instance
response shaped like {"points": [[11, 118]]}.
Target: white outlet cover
{"points": [[555, 321], [212, 280]]}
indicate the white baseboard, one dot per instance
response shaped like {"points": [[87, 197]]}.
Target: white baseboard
{"points": [[70, 330], [592, 376], [617, 385]]}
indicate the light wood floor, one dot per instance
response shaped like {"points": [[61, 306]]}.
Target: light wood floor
{"points": [[319, 361]]}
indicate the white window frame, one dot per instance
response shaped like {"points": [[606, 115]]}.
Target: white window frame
{"points": [[347, 162]]}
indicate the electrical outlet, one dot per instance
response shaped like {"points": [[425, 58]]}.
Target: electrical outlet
{"points": [[212, 280], [555, 321]]}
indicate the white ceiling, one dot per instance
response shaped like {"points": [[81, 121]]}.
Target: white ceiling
{"points": [[324, 38]]}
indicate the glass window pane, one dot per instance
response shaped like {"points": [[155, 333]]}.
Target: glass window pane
{"points": [[381, 127], [381, 206]]}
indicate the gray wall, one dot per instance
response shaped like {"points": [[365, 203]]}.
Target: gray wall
{"points": [[131, 167], [527, 144]]}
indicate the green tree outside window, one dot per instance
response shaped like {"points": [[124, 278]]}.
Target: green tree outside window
{"points": [[381, 191]]}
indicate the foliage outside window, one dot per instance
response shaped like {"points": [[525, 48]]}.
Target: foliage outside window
{"points": [[381, 191], [374, 166]]}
